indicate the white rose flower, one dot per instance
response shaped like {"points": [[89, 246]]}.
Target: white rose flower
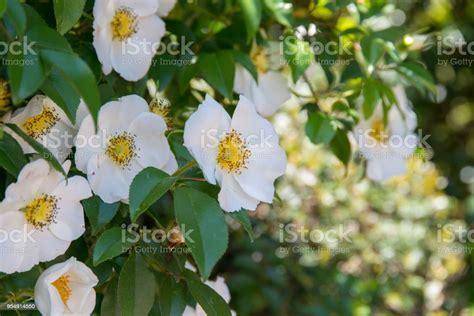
{"points": [[127, 34], [242, 154], [129, 139], [271, 90], [66, 288], [41, 214], [46, 122], [387, 148]]}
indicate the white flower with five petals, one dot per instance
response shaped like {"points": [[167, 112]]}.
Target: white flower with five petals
{"points": [[387, 148], [127, 34], [129, 139], [241, 154], [46, 122], [271, 90], [41, 214], [66, 288]]}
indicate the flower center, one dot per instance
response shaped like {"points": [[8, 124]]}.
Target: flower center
{"points": [[260, 59], [41, 124], [378, 131], [62, 285], [124, 24], [4, 96], [41, 211], [232, 153], [121, 149], [161, 106]]}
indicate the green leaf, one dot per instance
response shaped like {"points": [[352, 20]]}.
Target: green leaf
{"points": [[99, 213], [245, 61], [341, 146], [67, 13], [15, 16], [375, 51], [11, 155], [280, 11], [47, 38], [110, 305], [211, 302], [3, 7], [146, 188], [111, 243], [136, 287], [418, 75], [78, 73], [42, 151], [244, 220], [60, 90], [171, 296], [371, 97], [26, 74], [320, 128], [298, 54], [202, 216], [252, 12], [219, 70]]}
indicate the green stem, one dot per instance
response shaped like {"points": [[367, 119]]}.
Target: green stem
{"points": [[185, 168]]}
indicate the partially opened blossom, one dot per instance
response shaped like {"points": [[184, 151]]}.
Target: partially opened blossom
{"points": [[46, 122], [387, 147], [241, 154], [41, 214], [66, 288], [271, 90], [129, 138], [127, 34]]}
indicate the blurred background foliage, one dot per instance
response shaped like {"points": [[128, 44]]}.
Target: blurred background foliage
{"points": [[396, 263]]}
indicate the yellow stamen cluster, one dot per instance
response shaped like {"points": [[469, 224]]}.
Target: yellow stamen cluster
{"points": [[42, 211], [378, 132], [124, 24], [41, 124], [5, 103], [161, 106], [62, 285], [121, 149], [260, 59], [232, 153]]}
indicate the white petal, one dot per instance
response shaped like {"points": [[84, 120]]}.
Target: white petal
{"points": [[115, 116], [69, 221], [140, 7], [202, 132], [263, 168], [171, 166], [232, 198], [243, 81], [102, 44], [274, 88], [106, 180], [165, 6], [74, 189], [152, 146], [132, 58], [88, 144], [48, 245], [384, 168], [12, 251]]}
